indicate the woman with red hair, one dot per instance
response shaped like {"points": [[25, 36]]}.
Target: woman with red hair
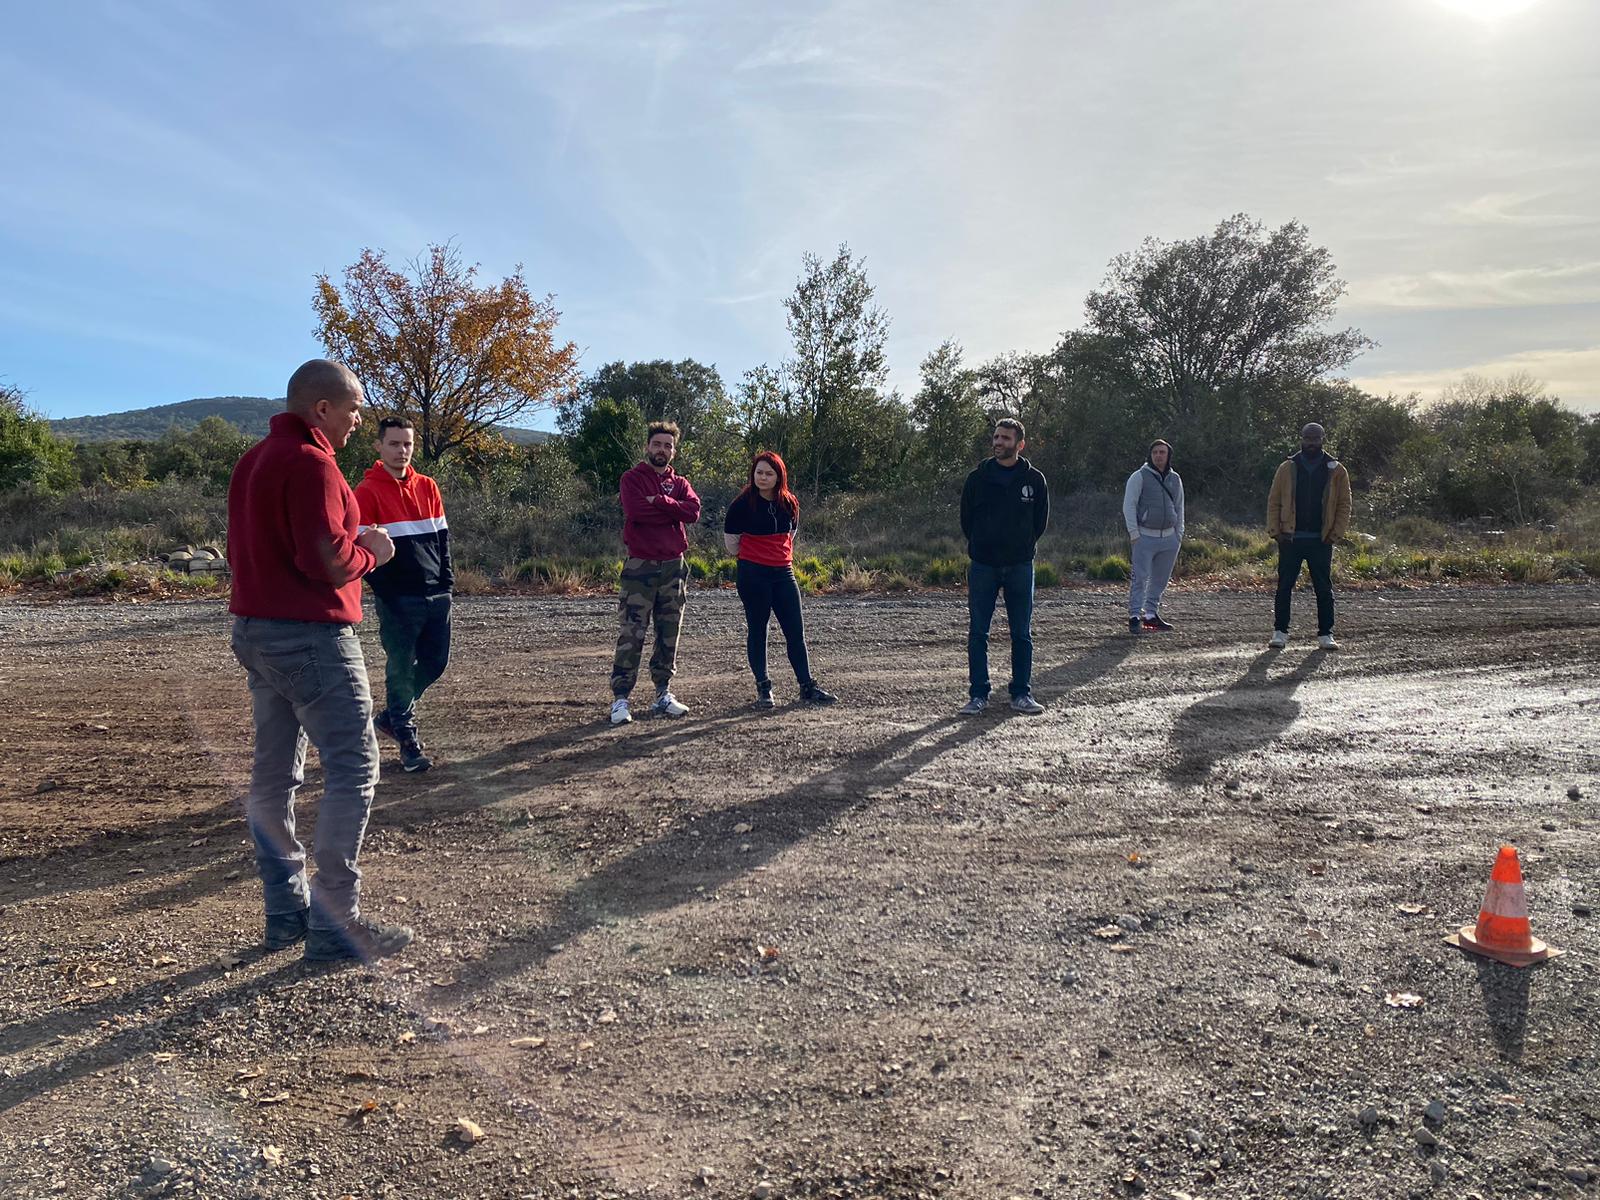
{"points": [[760, 529]]}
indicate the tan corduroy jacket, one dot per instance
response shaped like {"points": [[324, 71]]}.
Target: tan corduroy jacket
{"points": [[1335, 502]]}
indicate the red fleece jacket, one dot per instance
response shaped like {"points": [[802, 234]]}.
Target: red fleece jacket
{"points": [[292, 526], [655, 529]]}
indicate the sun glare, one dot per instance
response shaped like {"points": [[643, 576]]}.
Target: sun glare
{"points": [[1487, 10]]}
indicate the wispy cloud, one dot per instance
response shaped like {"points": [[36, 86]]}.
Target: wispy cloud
{"points": [[1572, 374], [1573, 283]]}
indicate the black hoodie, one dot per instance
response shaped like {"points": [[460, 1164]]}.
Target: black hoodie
{"points": [[1003, 512]]}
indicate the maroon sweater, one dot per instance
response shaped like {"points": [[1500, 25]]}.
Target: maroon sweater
{"points": [[655, 529], [292, 525]]}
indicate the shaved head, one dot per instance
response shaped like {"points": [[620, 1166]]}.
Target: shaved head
{"points": [[1311, 433], [319, 379]]}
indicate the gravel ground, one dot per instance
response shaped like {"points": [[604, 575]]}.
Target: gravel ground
{"points": [[1140, 945]]}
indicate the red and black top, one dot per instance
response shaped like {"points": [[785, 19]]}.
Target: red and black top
{"points": [[765, 528]]}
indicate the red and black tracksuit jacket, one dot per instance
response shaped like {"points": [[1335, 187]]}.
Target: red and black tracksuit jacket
{"points": [[412, 510]]}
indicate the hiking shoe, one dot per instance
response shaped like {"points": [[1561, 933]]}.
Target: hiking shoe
{"points": [[764, 695], [816, 695], [361, 939], [1135, 626], [973, 706], [667, 705], [1280, 639], [285, 929], [1025, 703], [1325, 642], [619, 711], [411, 756], [1155, 624], [384, 724]]}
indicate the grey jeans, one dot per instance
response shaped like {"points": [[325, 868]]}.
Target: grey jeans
{"points": [[308, 681], [1153, 560]]}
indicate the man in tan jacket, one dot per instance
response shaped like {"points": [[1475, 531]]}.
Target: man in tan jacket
{"points": [[1308, 510]]}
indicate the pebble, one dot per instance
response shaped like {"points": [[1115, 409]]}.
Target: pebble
{"points": [[1369, 1116], [1574, 793], [1195, 1138], [762, 1190], [1582, 909], [1437, 1173], [161, 1166], [1129, 922], [1435, 1111], [1578, 1174], [1068, 978], [1548, 826], [1424, 1137]]}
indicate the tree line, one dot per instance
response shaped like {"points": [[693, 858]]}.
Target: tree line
{"points": [[1224, 344]]}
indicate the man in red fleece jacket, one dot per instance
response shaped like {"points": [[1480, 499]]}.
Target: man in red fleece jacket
{"points": [[297, 558], [657, 503]]}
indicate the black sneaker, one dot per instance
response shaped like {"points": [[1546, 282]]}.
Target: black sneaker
{"points": [[361, 939], [285, 929], [411, 756], [764, 694], [1156, 625], [384, 724], [1135, 626], [815, 695]]}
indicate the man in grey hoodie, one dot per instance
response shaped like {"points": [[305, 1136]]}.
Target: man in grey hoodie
{"points": [[1152, 509]]}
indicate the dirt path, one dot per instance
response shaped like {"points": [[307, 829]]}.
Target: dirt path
{"points": [[940, 1017]]}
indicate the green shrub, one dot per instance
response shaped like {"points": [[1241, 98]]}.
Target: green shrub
{"points": [[945, 572], [1112, 567], [1045, 575], [726, 570]]}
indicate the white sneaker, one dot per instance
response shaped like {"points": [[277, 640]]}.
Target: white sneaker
{"points": [[619, 711], [1325, 642], [667, 705], [1280, 639], [1025, 703], [973, 706]]}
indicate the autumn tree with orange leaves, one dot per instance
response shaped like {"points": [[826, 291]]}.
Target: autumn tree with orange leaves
{"points": [[428, 343]]}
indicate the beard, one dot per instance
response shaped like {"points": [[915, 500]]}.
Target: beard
{"points": [[659, 460]]}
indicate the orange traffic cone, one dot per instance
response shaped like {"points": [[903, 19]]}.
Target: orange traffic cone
{"points": [[1502, 932]]}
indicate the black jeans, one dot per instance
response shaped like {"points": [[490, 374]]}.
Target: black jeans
{"points": [[768, 592], [1318, 556], [415, 632]]}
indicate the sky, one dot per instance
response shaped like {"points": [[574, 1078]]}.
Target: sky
{"points": [[174, 174]]}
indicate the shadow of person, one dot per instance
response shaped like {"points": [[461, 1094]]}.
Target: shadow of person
{"points": [[1505, 1004], [1250, 712], [684, 864]]}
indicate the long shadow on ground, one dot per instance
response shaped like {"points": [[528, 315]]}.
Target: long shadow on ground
{"points": [[665, 873], [1252, 711]]}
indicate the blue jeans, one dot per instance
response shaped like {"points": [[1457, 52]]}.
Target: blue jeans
{"points": [[415, 631], [984, 585], [308, 681]]}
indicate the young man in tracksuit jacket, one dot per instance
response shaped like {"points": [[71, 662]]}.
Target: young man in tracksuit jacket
{"points": [[1005, 507], [1308, 510], [657, 503], [297, 556], [411, 591]]}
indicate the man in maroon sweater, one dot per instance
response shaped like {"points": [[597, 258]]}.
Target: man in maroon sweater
{"points": [[657, 503], [297, 556]]}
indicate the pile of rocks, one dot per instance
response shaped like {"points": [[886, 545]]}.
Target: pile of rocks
{"points": [[191, 561]]}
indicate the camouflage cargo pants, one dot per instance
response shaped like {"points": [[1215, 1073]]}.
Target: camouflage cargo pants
{"points": [[650, 588]]}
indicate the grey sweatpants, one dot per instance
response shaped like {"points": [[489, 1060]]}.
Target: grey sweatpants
{"points": [[308, 682], [1153, 560]]}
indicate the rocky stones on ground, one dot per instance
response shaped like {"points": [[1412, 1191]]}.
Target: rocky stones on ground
{"points": [[1435, 1112]]}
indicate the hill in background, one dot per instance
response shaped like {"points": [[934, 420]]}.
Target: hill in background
{"points": [[249, 414]]}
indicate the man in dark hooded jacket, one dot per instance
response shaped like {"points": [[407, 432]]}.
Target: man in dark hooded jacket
{"points": [[1005, 507]]}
